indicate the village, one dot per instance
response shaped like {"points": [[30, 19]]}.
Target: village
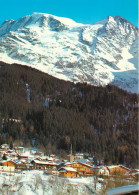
{"points": [[19, 159]]}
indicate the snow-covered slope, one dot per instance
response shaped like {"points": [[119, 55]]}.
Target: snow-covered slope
{"points": [[99, 54]]}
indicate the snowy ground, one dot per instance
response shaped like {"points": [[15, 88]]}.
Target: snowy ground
{"points": [[36, 183]]}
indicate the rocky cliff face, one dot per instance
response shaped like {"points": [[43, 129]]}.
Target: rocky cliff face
{"points": [[99, 54]]}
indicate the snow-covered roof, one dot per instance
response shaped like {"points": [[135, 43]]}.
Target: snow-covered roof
{"points": [[67, 169], [82, 160], [40, 162], [19, 147], [50, 158], [79, 154], [123, 190], [97, 168], [3, 161], [86, 164], [45, 162], [69, 163], [114, 166]]}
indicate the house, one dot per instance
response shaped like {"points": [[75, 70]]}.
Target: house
{"points": [[84, 161], [24, 166], [23, 156], [39, 154], [52, 165], [43, 165], [134, 173], [118, 170], [101, 170], [79, 156], [81, 168], [11, 155], [50, 158], [67, 172], [7, 165], [19, 149], [53, 156], [7, 169], [5, 146]]}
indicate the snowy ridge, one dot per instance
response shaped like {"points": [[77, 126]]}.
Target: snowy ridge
{"points": [[99, 54]]}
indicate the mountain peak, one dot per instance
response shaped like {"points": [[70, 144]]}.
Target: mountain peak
{"points": [[123, 20], [99, 54], [38, 20]]}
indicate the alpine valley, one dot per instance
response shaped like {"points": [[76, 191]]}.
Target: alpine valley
{"points": [[99, 54], [64, 83]]}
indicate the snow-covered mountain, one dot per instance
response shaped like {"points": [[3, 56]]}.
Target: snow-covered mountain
{"points": [[99, 54]]}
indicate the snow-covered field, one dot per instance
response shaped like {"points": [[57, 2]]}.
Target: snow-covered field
{"points": [[36, 183]]}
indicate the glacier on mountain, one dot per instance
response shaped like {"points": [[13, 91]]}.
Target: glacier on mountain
{"points": [[102, 53]]}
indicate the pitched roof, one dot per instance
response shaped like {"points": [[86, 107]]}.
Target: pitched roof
{"points": [[82, 160], [70, 163], [64, 169], [114, 166], [45, 162], [3, 161]]}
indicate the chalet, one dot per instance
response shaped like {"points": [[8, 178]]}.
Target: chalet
{"points": [[79, 156], [81, 168], [5, 146], [12, 155], [23, 156], [67, 172], [8, 163], [134, 173], [53, 156], [39, 154], [84, 161], [1, 153], [8, 166], [19, 149], [50, 158], [43, 165], [52, 166], [118, 170], [40, 158], [9, 151], [101, 170], [24, 166]]}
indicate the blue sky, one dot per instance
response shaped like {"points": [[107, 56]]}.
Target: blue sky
{"points": [[83, 11]]}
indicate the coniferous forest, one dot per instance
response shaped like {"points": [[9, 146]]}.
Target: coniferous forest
{"points": [[41, 111]]}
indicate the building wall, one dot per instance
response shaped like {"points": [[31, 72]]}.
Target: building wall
{"points": [[68, 174], [9, 164], [118, 171], [7, 169], [103, 171], [80, 168], [24, 167], [40, 166]]}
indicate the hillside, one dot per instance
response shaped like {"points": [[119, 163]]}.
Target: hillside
{"points": [[39, 110]]}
